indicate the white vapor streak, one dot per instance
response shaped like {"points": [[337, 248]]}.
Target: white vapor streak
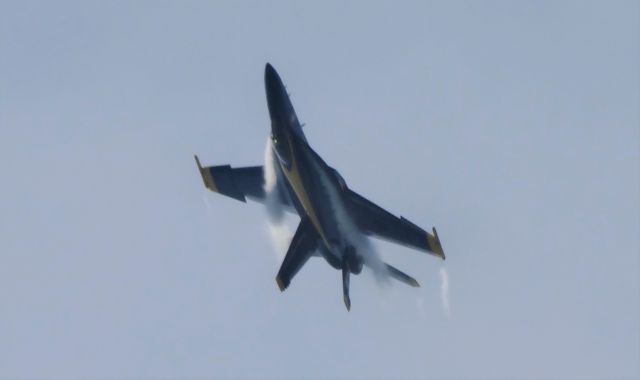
{"points": [[444, 292], [274, 208], [279, 231], [270, 178], [281, 236]]}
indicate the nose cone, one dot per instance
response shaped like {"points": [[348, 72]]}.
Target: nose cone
{"points": [[276, 94], [270, 74], [272, 82]]}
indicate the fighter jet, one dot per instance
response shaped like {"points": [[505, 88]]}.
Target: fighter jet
{"points": [[308, 186]]}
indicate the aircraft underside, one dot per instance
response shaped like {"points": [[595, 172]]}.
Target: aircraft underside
{"points": [[334, 220]]}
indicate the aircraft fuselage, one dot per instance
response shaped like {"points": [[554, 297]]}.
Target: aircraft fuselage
{"points": [[316, 187], [334, 220]]}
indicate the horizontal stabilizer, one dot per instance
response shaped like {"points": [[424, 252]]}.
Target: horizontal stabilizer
{"points": [[401, 276]]}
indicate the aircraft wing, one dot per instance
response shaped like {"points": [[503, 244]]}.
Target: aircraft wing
{"points": [[303, 245], [374, 220], [237, 183]]}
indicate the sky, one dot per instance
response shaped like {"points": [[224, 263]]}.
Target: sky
{"points": [[513, 127]]}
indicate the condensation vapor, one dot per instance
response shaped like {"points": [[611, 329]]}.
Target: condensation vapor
{"points": [[279, 231], [444, 292]]}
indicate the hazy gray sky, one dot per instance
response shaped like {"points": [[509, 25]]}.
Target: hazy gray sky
{"points": [[513, 127]]}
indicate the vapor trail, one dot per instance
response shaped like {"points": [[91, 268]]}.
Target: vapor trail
{"points": [[444, 292], [281, 236], [279, 232], [274, 207]]}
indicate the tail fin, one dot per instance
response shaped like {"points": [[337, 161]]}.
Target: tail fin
{"points": [[345, 285], [302, 245]]}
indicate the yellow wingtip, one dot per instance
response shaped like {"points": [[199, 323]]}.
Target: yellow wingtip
{"points": [[207, 178], [434, 243]]}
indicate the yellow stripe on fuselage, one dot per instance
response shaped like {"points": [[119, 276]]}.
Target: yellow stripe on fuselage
{"points": [[293, 176]]}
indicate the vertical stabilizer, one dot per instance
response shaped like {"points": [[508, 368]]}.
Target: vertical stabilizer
{"points": [[345, 285]]}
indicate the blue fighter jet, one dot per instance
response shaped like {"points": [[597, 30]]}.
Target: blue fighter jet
{"points": [[308, 186]]}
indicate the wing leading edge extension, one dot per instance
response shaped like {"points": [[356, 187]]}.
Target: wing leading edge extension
{"points": [[374, 220]]}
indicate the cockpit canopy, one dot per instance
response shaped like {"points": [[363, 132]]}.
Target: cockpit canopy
{"points": [[281, 147]]}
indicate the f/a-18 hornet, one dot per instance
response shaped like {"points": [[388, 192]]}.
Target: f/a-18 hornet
{"points": [[319, 195]]}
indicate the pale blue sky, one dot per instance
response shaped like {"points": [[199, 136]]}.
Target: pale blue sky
{"points": [[513, 127]]}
